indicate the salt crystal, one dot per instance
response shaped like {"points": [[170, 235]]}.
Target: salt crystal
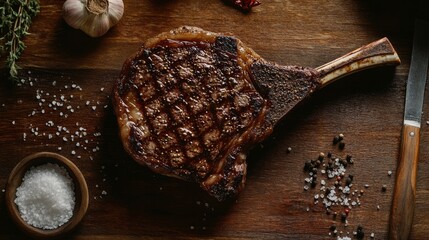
{"points": [[46, 198]]}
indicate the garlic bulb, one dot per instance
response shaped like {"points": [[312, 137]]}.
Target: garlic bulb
{"points": [[94, 17]]}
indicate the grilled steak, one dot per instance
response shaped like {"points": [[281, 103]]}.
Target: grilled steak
{"points": [[191, 103]]}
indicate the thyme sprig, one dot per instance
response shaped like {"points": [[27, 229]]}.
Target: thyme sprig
{"points": [[15, 20]]}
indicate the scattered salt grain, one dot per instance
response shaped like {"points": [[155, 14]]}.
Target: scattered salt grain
{"points": [[46, 198]]}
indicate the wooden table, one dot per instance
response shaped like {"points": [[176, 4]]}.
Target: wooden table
{"points": [[128, 201]]}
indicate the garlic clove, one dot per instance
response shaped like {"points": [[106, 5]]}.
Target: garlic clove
{"points": [[116, 10], [74, 13], [96, 25]]}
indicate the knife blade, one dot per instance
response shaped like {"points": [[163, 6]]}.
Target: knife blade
{"points": [[402, 212]]}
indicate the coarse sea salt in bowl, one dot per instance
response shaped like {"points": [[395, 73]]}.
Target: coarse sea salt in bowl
{"points": [[46, 195]]}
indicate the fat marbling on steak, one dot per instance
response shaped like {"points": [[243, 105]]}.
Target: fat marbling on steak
{"points": [[187, 106]]}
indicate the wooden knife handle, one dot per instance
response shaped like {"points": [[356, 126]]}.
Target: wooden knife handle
{"points": [[404, 195], [375, 54]]}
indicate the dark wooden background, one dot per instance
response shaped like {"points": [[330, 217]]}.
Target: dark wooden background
{"points": [[366, 107]]}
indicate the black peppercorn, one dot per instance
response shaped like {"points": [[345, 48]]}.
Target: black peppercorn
{"points": [[308, 166], [384, 188], [348, 157], [333, 227], [313, 184], [318, 163], [335, 140], [328, 211], [329, 155], [348, 181], [314, 170], [343, 217], [359, 232], [321, 156], [341, 145]]}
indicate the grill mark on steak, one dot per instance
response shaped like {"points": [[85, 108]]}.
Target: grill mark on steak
{"points": [[196, 103]]}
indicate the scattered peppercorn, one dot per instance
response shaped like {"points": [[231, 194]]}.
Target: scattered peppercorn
{"points": [[314, 170], [321, 156], [318, 163], [343, 217], [329, 155], [336, 140], [348, 158], [333, 227], [384, 188], [359, 232], [342, 145], [348, 181], [308, 166]]}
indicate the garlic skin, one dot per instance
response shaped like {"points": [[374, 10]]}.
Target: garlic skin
{"points": [[94, 17]]}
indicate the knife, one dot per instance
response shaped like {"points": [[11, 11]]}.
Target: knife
{"points": [[402, 212]]}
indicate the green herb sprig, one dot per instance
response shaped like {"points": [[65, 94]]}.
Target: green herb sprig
{"points": [[15, 20]]}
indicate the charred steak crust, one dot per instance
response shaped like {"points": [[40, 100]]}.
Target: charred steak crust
{"points": [[285, 86], [186, 107]]}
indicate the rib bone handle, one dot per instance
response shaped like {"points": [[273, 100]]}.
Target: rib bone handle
{"points": [[375, 54]]}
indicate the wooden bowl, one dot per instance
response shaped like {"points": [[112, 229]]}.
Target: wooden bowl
{"points": [[80, 188]]}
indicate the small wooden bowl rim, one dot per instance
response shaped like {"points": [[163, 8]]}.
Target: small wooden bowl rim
{"points": [[81, 193]]}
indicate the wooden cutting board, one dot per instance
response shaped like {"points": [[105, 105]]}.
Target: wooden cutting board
{"points": [[128, 201]]}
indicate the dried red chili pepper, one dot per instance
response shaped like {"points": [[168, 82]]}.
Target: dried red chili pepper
{"points": [[245, 5]]}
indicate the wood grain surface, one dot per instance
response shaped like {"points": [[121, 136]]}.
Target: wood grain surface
{"points": [[128, 201]]}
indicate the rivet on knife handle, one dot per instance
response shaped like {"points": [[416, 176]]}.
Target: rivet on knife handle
{"points": [[402, 212]]}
